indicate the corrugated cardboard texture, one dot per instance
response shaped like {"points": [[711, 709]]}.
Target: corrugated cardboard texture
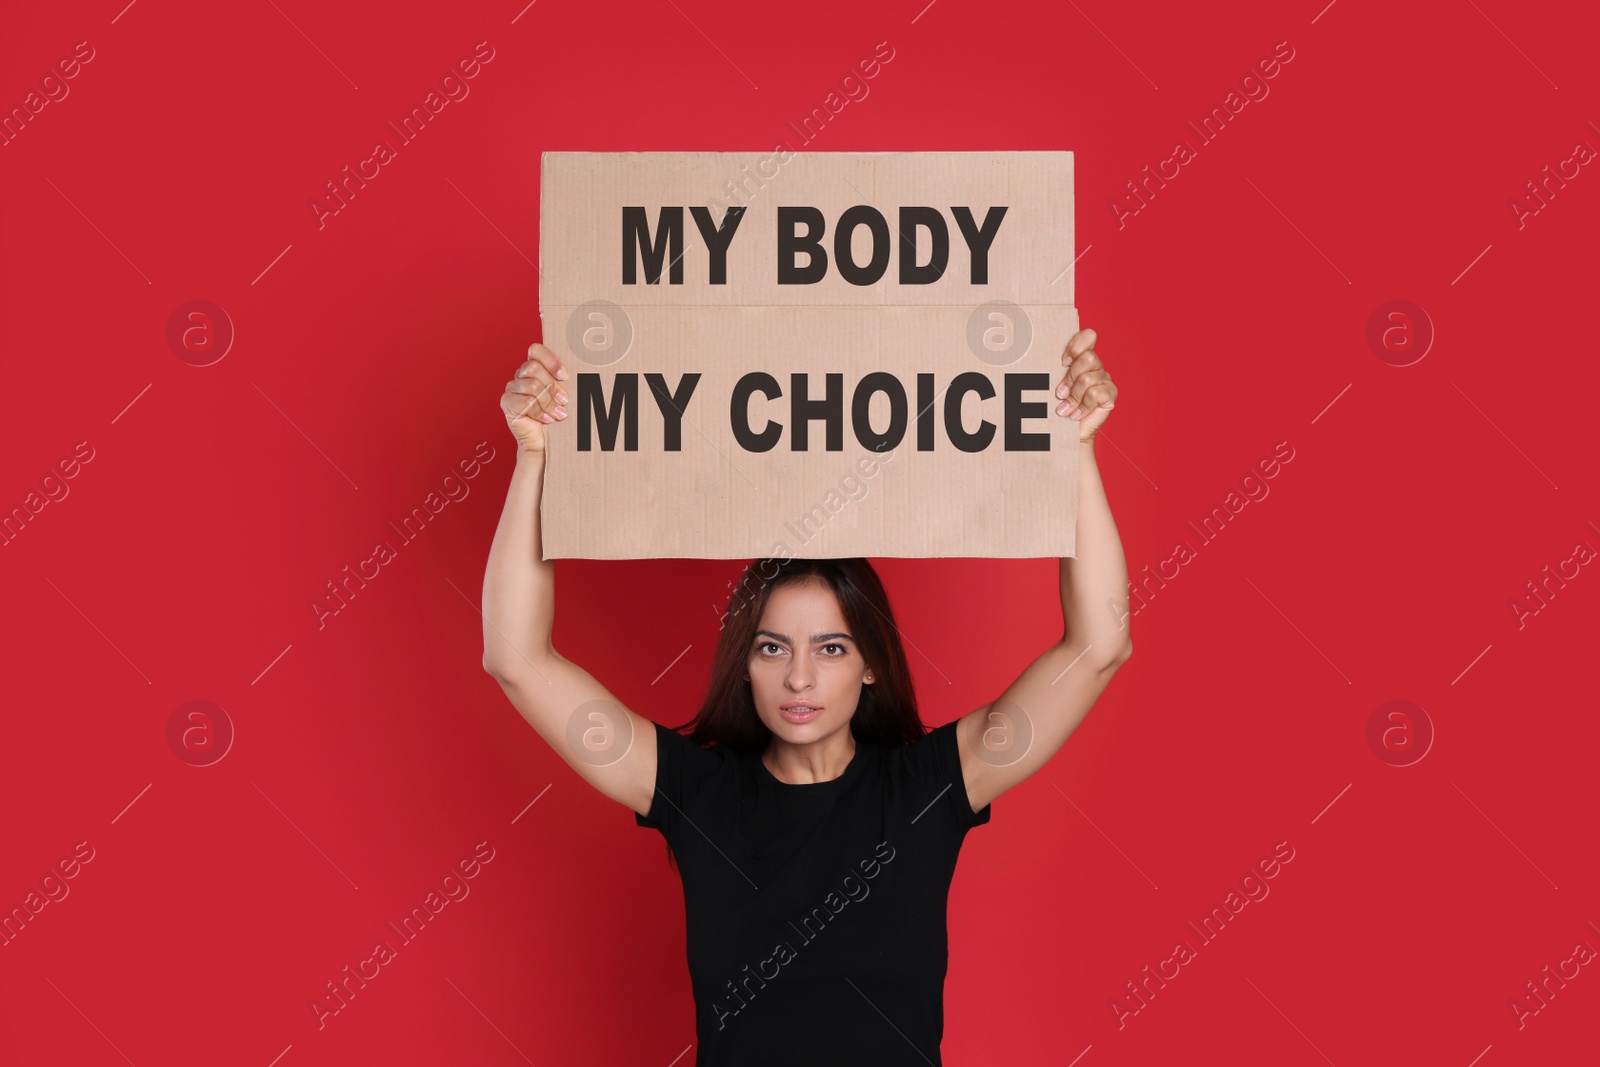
{"points": [[628, 486]]}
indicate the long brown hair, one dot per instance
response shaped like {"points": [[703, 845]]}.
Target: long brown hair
{"points": [[887, 711]]}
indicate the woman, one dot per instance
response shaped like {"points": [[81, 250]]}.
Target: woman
{"points": [[815, 824]]}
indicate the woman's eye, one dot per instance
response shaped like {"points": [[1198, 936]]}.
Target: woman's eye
{"points": [[778, 649]]}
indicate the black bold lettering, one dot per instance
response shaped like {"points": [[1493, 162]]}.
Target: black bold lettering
{"points": [[861, 215], [624, 409], [939, 234], [979, 238], [925, 403], [672, 405], [802, 409], [790, 242], [860, 407], [739, 412], [636, 237], [1017, 410], [967, 382], [717, 238]]}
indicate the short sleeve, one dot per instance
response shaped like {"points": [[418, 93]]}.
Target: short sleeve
{"points": [[934, 763], [681, 769]]}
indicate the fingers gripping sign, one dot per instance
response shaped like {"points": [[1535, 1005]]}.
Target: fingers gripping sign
{"points": [[1086, 390], [534, 398]]}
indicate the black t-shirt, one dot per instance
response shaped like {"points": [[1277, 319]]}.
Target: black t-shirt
{"points": [[815, 913]]}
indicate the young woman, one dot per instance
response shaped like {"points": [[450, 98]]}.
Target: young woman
{"points": [[814, 820]]}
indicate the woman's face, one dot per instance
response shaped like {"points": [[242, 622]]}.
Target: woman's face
{"points": [[804, 654]]}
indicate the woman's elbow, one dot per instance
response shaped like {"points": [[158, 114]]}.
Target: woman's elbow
{"points": [[497, 666], [513, 667], [1117, 656]]}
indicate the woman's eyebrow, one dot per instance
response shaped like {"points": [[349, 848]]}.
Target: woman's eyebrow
{"points": [[786, 639]]}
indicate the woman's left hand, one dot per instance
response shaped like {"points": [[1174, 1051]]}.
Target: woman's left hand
{"points": [[1088, 390]]}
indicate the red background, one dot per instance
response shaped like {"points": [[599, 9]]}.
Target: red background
{"points": [[373, 753]]}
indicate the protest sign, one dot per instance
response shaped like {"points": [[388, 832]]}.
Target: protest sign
{"points": [[808, 354]]}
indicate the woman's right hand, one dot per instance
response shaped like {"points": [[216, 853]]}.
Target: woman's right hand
{"points": [[535, 398]]}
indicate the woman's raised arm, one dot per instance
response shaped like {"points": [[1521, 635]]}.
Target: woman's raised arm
{"points": [[611, 747], [1010, 738]]}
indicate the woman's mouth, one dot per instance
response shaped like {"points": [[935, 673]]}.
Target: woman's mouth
{"points": [[799, 713]]}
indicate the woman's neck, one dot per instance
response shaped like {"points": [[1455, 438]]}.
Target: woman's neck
{"points": [[821, 760]]}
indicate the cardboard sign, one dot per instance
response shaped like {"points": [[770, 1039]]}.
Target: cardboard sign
{"points": [[808, 354]]}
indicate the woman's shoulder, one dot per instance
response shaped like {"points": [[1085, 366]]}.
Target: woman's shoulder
{"points": [[930, 769], [679, 741]]}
